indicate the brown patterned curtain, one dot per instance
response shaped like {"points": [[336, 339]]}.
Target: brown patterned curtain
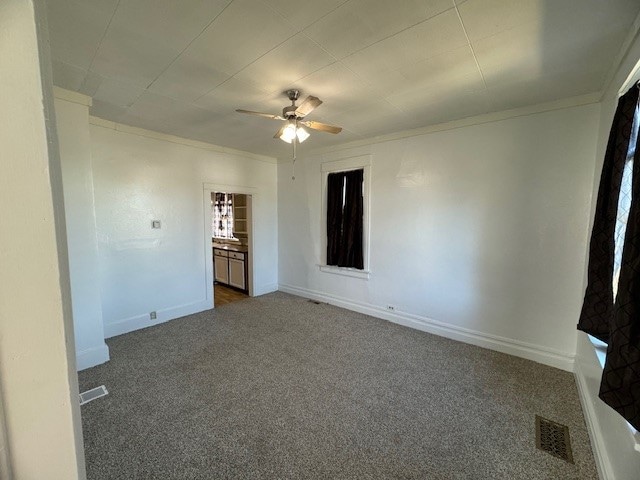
{"points": [[345, 208], [617, 323]]}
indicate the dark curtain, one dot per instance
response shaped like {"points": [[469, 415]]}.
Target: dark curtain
{"points": [[335, 182], [620, 386], [597, 310], [353, 219], [345, 219], [617, 324]]}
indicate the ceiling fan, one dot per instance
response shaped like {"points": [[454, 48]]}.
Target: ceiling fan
{"points": [[294, 117]]}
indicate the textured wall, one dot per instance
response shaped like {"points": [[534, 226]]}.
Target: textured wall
{"points": [[480, 230], [138, 179]]}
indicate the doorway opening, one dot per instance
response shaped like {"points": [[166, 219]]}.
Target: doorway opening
{"points": [[231, 246]]}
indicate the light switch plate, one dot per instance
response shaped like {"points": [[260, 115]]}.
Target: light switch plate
{"points": [[155, 224]]}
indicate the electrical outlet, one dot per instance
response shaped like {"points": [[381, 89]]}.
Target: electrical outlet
{"points": [[152, 315], [391, 308]]}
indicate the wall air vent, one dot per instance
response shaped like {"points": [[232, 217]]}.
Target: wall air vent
{"points": [[94, 393], [553, 438]]}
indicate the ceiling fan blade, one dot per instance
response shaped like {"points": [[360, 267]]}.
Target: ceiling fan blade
{"points": [[260, 114], [323, 127], [306, 107], [279, 132]]}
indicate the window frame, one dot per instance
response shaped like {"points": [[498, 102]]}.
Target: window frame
{"points": [[343, 165], [230, 201]]}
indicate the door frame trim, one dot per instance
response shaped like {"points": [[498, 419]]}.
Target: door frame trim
{"points": [[208, 189]]}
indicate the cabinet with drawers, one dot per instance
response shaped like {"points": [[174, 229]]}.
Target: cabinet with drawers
{"points": [[230, 268]]}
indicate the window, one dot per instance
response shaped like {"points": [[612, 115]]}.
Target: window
{"points": [[345, 217], [345, 210], [222, 215], [624, 205]]}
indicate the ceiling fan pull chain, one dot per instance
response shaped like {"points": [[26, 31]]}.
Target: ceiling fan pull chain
{"points": [[293, 164]]}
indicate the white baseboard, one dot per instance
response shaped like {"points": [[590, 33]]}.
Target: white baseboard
{"points": [[537, 353], [603, 462], [142, 321], [264, 289], [92, 356]]}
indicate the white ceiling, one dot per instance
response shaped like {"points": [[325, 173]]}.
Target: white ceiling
{"points": [[183, 67]]}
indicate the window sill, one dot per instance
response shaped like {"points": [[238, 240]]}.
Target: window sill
{"points": [[345, 271], [225, 240], [600, 349]]}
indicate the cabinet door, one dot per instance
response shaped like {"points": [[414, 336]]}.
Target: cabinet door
{"points": [[236, 273], [221, 265]]}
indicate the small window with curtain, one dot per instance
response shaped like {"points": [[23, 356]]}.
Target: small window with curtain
{"points": [[222, 215], [345, 219]]}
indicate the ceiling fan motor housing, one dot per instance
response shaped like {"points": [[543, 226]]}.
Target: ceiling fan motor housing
{"points": [[293, 94], [290, 111]]}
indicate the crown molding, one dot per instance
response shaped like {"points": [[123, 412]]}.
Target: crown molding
{"points": [[70, 96], [570, 102], [141, 132]]}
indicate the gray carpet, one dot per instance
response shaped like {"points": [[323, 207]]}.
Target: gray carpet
{"points": [[279, 387]]}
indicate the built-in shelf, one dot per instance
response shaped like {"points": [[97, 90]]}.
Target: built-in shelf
{"points": [[240, 214]]}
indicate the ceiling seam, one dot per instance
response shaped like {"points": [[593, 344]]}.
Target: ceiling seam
{"points": [[306, 26], [393, 34], [299, 32], [622, 54], [360, 77], [475, 58], [247, 66], [95, 54], [337, 60], [189, 44]]}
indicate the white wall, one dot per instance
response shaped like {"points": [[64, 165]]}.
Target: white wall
{"points": [[72, 118], [5, 461], [477, 233], [610, 434], [140, 177], [37, 365]]}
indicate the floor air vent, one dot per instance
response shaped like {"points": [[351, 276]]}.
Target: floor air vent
{"points": [[553, 438], [90, 395]]}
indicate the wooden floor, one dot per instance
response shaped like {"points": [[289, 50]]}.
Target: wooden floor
{"points": [[223, 295]]}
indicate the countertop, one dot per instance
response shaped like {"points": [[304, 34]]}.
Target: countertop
{"points": [[230, 248]]}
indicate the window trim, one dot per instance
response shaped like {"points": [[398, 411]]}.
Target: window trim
{"points": [[342, 165], [600, 350]]}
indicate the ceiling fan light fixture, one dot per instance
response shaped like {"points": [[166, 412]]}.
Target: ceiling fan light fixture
{"points": [[302, 134], [289, 133]]}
